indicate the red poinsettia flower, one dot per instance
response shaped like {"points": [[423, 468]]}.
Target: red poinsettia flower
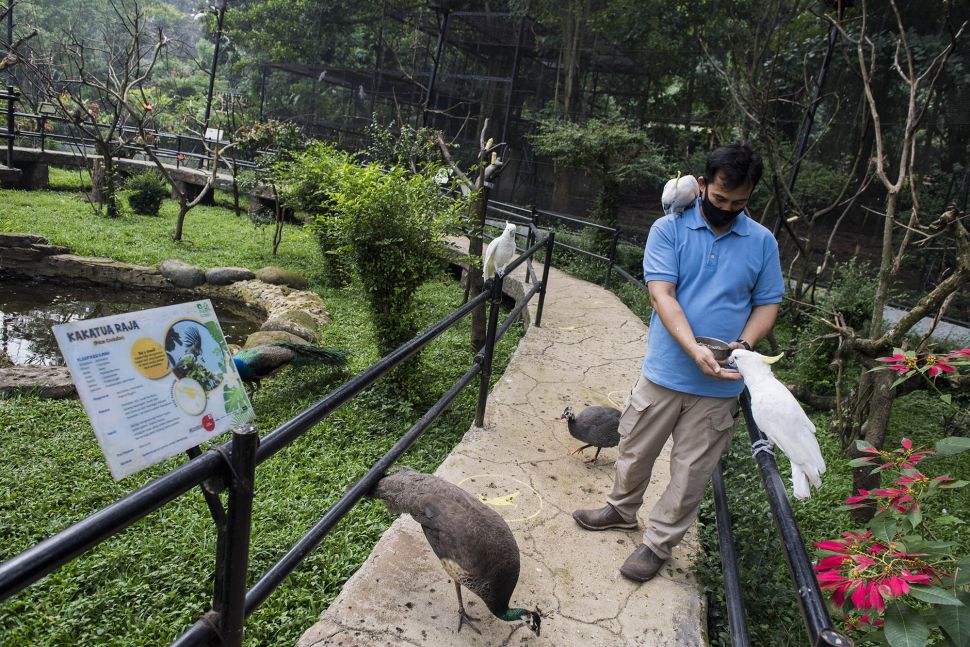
{"points": [[900, 362], [865, 572], [963, 352], [937, 365]]}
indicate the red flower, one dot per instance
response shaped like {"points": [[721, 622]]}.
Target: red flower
{"points": [[866, 572], [963, 352], [900, 362], [937, 365]]}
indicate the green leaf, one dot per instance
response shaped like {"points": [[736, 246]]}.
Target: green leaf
{"points": [[934, 595], [952, 445], [905, 627], [859, 462], [950, 485], [863, 445], [914, 516], [900, 380], [955, 621], [946, 397], [884, 527], [948, 520], [915, 544]]}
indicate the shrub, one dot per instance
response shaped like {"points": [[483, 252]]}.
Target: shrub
{"points": [[387, 226], [394, 224], [147, 192]]}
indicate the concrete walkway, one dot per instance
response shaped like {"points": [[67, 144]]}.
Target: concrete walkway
{"points": [[587, 352]]}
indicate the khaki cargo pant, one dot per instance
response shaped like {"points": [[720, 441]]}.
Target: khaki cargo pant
{"points": [[702, 428]]}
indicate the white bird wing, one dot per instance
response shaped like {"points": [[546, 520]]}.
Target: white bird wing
{"points": [[504, 251], [488, 261], [678, 193], [667, 197]]}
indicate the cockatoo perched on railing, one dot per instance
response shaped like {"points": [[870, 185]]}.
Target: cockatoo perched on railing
{"points": [[778, 414], [499, 252], [678, 193]]}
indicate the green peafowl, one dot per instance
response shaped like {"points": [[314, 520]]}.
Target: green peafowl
{"points": [[259, 362], [596, 426], [473, 542]]}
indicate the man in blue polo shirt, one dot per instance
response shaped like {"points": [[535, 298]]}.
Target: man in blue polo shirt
{"points": [[713, 272]]}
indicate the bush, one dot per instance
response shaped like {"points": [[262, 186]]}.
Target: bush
{"points": [[387, 226], [147, 192]]}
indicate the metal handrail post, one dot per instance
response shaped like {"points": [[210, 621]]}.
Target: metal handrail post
{"points": [[550, 244], [232, 558], [737, 623], [487, 352], [609, 267], [817, 621], [11, 124]]}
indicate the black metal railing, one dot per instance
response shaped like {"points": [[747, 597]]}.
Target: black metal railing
{"points": [[232, 466], [818, 623], [176, 147]]}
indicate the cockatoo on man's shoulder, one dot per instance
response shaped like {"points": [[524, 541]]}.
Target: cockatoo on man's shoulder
{"points": [[678, 193], [499, 252], [778, 414]]}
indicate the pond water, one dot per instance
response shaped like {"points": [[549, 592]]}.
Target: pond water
{"points": [[28, 310]]}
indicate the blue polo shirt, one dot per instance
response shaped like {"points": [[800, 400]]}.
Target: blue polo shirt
{"points": [[719, 280]]}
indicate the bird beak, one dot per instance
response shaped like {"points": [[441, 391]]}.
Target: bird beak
{"points": [[772, 360]]}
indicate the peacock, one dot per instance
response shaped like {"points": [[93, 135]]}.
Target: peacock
{"points": [[259, 362], [595, 426], [473, 542]]}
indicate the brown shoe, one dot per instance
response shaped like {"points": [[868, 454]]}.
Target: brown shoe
{"points": [[603, 519], [642, 565]]}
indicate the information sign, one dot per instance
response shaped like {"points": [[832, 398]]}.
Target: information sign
{"points": [[154, 383]]}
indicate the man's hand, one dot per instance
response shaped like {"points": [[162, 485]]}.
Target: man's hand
{"points": [[704, 358]]}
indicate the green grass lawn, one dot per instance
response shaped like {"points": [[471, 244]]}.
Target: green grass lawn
{"points": [[150, 583]]}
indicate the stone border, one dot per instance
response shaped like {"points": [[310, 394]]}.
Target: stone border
{"points": [[291, 315]]}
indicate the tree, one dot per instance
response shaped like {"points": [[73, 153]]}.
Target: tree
{"points": [[865, 413], [91, 84], [612, 150]]}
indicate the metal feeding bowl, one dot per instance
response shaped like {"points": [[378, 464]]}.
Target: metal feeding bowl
{"points": [[718, 347]]}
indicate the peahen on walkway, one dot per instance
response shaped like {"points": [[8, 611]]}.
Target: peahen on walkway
{"points": [[259, 362], [473, 542], [595, 426]]}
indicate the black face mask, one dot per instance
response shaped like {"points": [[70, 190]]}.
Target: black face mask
{"points": [[718, 217]]}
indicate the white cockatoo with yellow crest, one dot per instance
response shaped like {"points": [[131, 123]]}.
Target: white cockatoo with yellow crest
{"points": [[499, 252], [678, 193], [778, 414]]}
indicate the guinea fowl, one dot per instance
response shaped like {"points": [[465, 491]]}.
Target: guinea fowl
{"points": [[473, 542], [595, 426], [260, 362]]}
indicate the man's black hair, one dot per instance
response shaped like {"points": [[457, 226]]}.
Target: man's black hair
{"points": [[737, 163]]}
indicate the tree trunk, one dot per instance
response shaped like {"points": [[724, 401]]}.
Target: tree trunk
{"points": [[474, 279], [183, 209], [885, 267], [104, 180], [873, 406]]}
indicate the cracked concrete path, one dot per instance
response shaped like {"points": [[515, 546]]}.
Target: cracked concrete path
{"points": [[587, 352]]}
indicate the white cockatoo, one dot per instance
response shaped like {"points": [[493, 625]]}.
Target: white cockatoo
{"points": [[778, 414], [678, 193], [499, 252]]}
